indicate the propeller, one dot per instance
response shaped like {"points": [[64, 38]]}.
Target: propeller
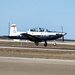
{"points": [[62, 32]]}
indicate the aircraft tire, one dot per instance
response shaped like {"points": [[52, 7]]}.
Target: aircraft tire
{"points": [[45, 44]]}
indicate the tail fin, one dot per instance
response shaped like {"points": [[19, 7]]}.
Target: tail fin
{"points": [[13, 30]]}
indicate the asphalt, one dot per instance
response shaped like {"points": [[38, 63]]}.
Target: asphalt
{"points": [[32, 66]]}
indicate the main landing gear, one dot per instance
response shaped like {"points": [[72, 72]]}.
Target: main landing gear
{"points": [[37, 43], [45, 44]]}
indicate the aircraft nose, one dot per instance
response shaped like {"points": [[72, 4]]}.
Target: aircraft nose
{"points": [[62, 34]]}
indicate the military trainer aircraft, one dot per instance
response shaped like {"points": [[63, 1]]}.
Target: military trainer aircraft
{"points": [[35, 35]]}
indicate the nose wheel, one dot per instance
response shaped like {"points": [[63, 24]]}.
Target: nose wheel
{"points": [[55, 43]]}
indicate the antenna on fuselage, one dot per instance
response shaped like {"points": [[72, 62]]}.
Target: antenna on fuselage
{"points": [[9, 29]]}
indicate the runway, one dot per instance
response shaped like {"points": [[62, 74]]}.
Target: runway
{"points": [[35, 66], [49, 42], [14, 47], [32, 66]]}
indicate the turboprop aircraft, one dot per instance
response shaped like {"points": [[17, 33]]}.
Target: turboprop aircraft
{"points": [[35, 35]]}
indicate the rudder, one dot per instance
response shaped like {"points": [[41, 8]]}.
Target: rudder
{"points": [[13, 30]]}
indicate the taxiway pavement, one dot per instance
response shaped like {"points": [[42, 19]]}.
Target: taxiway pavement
{"points": [[32, 66]]}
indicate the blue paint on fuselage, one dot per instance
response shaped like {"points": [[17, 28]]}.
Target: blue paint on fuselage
{"points": [[42, 37], [50, 37]]}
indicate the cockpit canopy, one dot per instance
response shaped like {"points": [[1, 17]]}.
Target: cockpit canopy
{"points": [[39, 30]]}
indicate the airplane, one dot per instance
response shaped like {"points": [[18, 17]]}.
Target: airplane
{"points": [[35, 35]]}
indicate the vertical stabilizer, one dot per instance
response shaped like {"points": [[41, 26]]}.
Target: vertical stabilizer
{"points": [[13, 30]]}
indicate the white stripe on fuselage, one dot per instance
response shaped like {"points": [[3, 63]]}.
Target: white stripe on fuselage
{"points": [[36, 33], [41, 33]]}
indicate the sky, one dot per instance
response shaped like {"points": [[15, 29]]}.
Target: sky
{"points": [[49, 14]]}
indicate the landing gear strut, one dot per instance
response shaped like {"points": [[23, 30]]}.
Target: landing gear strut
{"points": [[55, 43], [45, 44]]}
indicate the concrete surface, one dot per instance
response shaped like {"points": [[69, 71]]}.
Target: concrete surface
{"points": [[32, 66]]}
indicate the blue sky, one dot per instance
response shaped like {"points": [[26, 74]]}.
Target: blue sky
{"points": [[50, 14]]}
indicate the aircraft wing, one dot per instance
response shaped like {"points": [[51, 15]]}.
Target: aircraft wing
{"points": [[31, 37]]}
